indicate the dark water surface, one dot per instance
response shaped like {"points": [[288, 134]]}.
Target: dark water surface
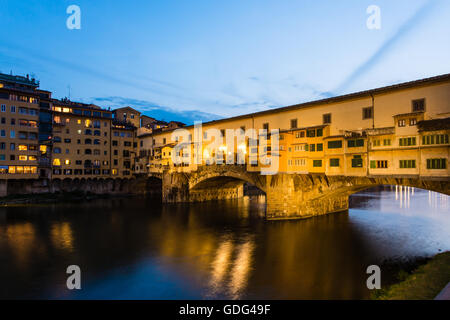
{"points": [[140, 249]]}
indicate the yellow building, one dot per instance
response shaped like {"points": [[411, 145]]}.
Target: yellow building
{"points": [[81, 140], [19, 115], [375, 132]]}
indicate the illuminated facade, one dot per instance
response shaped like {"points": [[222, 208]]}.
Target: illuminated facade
{"points": [[19, 114], [402, 129]]}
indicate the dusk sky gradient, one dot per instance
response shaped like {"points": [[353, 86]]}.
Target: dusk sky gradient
{"points": [[186, 60]]}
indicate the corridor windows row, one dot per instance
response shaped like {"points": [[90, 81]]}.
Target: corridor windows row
{"points": [[378, 164], [410, 141], [437, 163], [407, 164], [12, 157], [435, 139]]}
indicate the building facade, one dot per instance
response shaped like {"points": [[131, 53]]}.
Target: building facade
{"points": [[19, 115]]}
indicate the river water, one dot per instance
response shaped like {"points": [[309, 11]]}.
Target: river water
{"points": [[139, 249]]}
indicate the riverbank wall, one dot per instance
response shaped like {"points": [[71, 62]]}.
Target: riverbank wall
{"points": [[138, 185]]}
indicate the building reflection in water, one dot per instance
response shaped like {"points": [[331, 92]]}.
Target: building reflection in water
{"points": [[404, 195], [61, 235], [241, 269]]}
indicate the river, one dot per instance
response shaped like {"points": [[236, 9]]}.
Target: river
{"points": [[136, 248]]}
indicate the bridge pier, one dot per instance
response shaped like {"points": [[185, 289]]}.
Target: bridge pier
{"points": [[295, 196]]}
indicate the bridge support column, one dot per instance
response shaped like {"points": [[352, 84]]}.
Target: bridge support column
{"points": [[294, 196], [175, 187]]}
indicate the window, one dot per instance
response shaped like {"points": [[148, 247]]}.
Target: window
{"points": [[327, 118], [87, 151], [310, 133], [293, 123], [367, 113], [387, 142], [319, 147], [418, 105], [23, 158], [412, 121], [56, 150], [411, 141], [312, 147], [376, 143], [266, 126], [436, 163], [317, 163], [319, 132], [402, 123], [407, 164], [23, 147], [13, 109], [67, 140], [336, 144], [164, 140], [334, 162], [357, 161], [355, 143], [2, 133], [3, 108], [378, 164], [56, 162], [435, 139]]}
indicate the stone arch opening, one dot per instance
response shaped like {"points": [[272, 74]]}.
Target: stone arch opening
{"points": [[222, 188]]}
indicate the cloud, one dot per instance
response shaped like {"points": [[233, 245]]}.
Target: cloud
{"points": [[156, 111], [388, 45]]}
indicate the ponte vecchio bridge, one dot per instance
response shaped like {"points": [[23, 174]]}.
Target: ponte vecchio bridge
{"points": [[326, 150]]}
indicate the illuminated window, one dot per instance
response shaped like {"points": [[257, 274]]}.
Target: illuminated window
{"points": [[79, 121], [12, 169], [67, 162], [87, 123], [56, 162], [66, 110], [32, 158], [23, 158], [43, 148], [19, 169], [23, 147], [114, 172]]}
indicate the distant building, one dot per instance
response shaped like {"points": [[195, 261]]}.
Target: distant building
{"points": [[128, 114]]}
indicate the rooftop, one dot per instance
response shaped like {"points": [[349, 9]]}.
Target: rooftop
{"points": [[9, 78]]}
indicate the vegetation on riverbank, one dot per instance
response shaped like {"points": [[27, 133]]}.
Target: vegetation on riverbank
{"points": [[424, 283], [52, 198]]}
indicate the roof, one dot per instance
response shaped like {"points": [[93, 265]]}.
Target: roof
{"points": [[126, 108], [361, 94], [434, 125], [19, 79]]}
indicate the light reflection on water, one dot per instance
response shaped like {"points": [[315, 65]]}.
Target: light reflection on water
{"points": [[138, 249]]}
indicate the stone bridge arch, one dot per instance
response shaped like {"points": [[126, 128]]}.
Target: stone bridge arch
{"points": [[226, 173], [291, 196]]}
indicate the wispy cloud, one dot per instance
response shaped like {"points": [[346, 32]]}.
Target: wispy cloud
{"points": [[419, 16], [154, 110]]}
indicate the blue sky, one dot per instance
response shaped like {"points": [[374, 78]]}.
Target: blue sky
{"points": [[187, 60]]}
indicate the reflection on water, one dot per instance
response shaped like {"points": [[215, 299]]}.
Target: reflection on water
{"points": [[139, 249]]}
